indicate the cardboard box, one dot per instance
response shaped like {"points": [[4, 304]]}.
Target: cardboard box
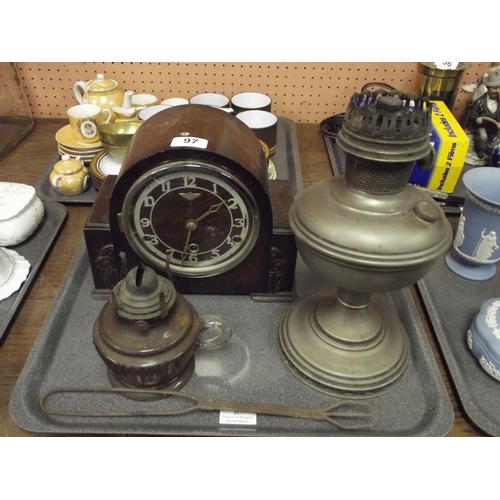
{"points": [[451, 144]]}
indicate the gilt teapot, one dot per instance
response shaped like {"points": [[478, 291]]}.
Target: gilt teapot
{"points": [[69, 176], [102, 91]]}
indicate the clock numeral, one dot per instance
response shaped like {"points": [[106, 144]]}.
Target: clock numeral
{"points": [[234, 240], [232, 204], [240, 223], [193, 250], [165, 187], [214, 188], [150, 239], [149, 201], [145, 222], [189, 181], [215, 253]]}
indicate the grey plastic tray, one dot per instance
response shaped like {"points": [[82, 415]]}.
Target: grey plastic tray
{"points": [[34, 249], [452, 302], [286, 155], [248, 368]]}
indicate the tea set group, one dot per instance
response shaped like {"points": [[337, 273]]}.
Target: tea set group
{"points": [[105, 119]]}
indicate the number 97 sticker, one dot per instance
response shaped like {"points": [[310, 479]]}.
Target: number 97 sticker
{"points": [[189, 142]]}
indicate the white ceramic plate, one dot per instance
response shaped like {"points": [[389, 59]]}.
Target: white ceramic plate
{"points": [[15, 275], [107, 165]]}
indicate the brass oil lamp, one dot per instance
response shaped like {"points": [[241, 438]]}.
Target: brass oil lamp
{"points": [[368, 231]]}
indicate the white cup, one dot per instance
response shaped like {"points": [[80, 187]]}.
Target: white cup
{"points": [[246, 101], [140, 100], [210, 99], [175, 101], [150, 111], [264, 124]]}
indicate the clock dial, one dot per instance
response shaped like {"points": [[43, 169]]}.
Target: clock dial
{"points": [[196, 216]]}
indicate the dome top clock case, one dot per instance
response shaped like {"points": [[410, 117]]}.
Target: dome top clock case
{"points": [[192, 200]]}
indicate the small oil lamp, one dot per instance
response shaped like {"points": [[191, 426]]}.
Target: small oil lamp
{"points": [[366, 232], [147, 333]]}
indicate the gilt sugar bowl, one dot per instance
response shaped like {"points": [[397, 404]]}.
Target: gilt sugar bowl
{"points": [[69, 176]]}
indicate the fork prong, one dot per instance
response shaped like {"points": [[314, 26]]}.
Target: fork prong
{"points": [[335, 415], [348, 427], [343, 404]]}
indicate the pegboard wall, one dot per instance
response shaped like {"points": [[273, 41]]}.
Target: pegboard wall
{"points": [[303, 92]]}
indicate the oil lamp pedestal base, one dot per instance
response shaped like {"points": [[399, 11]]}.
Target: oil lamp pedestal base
{"points": [[355, 350]]}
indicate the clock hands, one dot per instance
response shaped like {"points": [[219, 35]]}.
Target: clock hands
{"points": [[189, 228], [211, 210], [192, 224]]}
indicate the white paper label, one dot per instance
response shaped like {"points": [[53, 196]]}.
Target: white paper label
{"points": [[237, 418], [446, 65], [189, 142]]}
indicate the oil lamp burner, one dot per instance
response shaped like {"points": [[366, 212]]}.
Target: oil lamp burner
{"points": [[147, 333], [366, 232]]}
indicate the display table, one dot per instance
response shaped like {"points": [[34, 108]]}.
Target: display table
{"points": [[27, 163]]}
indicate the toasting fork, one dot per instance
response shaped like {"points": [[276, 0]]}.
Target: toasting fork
{"points": [[339, 414]]}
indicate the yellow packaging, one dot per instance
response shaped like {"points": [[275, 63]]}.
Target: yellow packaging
{"points": [[451, 144]]}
